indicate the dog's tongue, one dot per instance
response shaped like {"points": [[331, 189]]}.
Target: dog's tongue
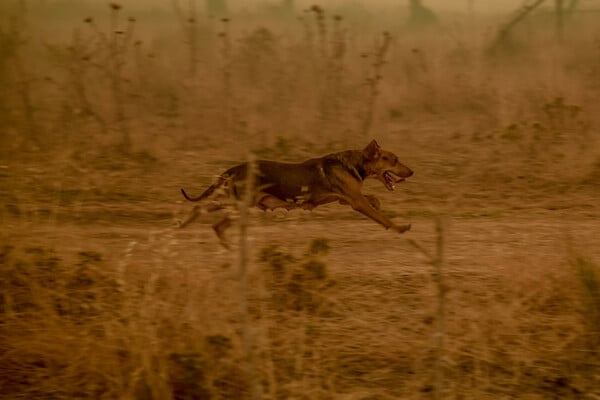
{"points": [[390, 179]]}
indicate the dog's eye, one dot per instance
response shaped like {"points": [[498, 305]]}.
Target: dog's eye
{"points": [[385, 158]]}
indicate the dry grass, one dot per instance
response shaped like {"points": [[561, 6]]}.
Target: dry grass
{"points": [[105, 112]]}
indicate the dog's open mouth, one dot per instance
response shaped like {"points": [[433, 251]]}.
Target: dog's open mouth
{"points": [[390, 179]]}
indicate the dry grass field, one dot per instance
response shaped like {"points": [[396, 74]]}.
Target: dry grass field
{"points": [[107, 110]]}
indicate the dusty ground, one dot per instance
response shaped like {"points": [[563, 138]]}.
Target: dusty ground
{"points": [[514, 310]]}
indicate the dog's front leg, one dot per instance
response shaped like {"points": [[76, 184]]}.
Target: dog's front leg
{"points": [[373, 201], [363, 206]]}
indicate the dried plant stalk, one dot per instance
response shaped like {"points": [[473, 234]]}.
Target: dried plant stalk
{"points": [[437, 262], [373, 80], [243, 269]]}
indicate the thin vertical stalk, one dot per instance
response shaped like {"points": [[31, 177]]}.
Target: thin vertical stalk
{"points": [[439, 278], [17, 25], [226, 58], [242, 276], [114, 62], [437, 261], [373, 80], [189, 26], [117, 48], [559, 7], [193, 38]]}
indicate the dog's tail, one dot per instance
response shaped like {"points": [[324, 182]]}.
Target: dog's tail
{"points": [[192, 198], [206, 193]]}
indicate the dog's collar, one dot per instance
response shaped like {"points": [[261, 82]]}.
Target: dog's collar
{"points": [[359, 172]]}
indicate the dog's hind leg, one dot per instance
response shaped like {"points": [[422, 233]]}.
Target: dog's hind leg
{"points": [[200, 209], [196, 211], [220, 228]]}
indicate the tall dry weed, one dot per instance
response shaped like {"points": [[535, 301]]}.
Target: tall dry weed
{"points": [[589, 276]]}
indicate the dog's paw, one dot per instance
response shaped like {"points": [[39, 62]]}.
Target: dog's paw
{"points": [[402, 228]]}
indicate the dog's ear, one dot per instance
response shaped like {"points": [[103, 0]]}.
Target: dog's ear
{"points": [[371, 152]]}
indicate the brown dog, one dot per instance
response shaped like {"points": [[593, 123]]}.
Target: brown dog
{"points": [[334, 177]]}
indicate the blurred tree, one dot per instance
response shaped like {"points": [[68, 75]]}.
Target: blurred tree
{"points": [[420, 16], [288, 5], [561, 9], [217, 8], [504, 31]]}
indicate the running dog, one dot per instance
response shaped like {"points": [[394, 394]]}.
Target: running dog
{"points": [[334, 177]]}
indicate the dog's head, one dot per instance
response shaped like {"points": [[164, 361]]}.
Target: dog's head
{"points": [[384, 165]]}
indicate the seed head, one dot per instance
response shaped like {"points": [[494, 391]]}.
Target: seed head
{"points": [[537, 125], [316, 8], [115, 6], [88, 20]]}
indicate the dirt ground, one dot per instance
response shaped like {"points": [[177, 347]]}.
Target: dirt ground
{"points": [[514, 305]]}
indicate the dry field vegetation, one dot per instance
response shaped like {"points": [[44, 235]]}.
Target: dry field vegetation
{"points": [[107, 110]]}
